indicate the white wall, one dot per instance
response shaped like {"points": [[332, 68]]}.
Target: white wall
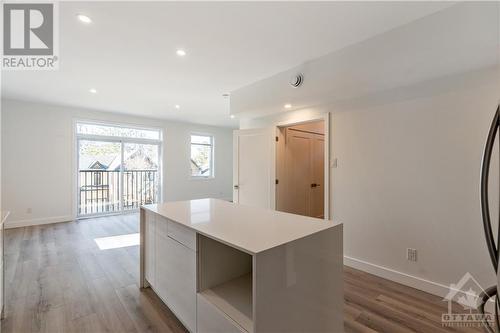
{"points": [[410, 110], [408, 177], [38, 163]]}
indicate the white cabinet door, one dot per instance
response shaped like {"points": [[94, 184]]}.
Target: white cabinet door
{"points": [[181, 282], [162, 267], [254, 167], [150, 233]]}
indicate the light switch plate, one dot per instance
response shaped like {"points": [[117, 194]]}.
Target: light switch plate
{"points": [[333, 163]]}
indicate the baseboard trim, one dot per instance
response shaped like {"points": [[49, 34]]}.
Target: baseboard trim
{"points": [[39, 221], [428, 286]]}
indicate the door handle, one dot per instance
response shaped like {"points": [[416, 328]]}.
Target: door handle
{"points": [[493, 247], [315, 185], [485, 208]]}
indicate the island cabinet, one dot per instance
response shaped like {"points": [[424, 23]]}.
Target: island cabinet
{"points": [[170, 266], [221, 267]]}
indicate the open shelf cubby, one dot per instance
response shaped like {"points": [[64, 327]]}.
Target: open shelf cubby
{"points": [[225, 280]]}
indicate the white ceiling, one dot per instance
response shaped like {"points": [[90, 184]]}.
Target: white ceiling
{"points": [[402, 62], [128, 52]]}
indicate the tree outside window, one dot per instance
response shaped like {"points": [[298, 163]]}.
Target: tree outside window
{"points": [[202, 149]]}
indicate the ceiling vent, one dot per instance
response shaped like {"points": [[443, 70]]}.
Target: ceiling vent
{"points": [[296, 80]]}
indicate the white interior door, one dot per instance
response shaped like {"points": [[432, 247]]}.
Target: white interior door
{"points": [[254, 167]]}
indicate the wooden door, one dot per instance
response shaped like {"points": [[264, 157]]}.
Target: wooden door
{"points": [[317, 201], [297, 171], [303, 181]]}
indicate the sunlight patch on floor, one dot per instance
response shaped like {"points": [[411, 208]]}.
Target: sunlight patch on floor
{"points": [[114, 242]]}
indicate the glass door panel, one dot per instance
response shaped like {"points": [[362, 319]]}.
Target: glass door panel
{"points": [[140, 174], [99, 164]]}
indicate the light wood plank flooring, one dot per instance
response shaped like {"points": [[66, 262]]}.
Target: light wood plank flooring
{"points": [[58, 280]]}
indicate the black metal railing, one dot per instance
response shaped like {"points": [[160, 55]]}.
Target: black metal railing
{"points": [[100, 190]]}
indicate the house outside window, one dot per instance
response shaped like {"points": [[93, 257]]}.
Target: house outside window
{"points": [[97, 178], [202, 156]]}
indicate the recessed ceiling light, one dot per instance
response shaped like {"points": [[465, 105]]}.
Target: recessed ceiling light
{"points": [[84, 18], [93, 91], [180, 52], [232, 116], [287, 106], [177, 106]]}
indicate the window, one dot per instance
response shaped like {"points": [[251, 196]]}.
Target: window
{"points": [[202, 152], [118, 167], [117, 131]]}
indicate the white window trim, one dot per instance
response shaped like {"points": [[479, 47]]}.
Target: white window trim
{"points": [[77, 137], [212, 174], [117, 125]]}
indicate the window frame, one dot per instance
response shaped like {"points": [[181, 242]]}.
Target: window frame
{"points": [[212, 155], [116, 137], [77, 137]]}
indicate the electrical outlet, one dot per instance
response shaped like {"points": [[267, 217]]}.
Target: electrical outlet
{"points": [[411, 254]]}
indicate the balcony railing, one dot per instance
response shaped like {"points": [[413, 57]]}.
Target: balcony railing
{"points": [[100, 190]]}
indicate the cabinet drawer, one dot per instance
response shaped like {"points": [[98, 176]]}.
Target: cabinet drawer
{"points": [[212, 320], [161, 226], [182, 234]]}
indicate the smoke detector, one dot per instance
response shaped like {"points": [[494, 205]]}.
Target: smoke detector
{"points": [[297, 80]]}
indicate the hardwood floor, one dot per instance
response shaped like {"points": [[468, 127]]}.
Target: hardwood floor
{"points": [[373, 304], [58, 280]]}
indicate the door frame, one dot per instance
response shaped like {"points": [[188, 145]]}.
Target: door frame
{"points": [[122, 140], [323, 117]]}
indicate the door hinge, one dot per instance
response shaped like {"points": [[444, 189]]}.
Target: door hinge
{"points": [[277, 139], [277, 182]]}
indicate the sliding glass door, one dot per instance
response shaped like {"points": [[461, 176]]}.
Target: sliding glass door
{"points": [[140, 174], [116, 173], [99, 180]]}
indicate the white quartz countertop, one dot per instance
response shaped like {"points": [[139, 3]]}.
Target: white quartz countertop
{"points": [[247, 228]]}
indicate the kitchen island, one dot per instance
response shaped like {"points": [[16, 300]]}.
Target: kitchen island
{"points": [[223, 267]]}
